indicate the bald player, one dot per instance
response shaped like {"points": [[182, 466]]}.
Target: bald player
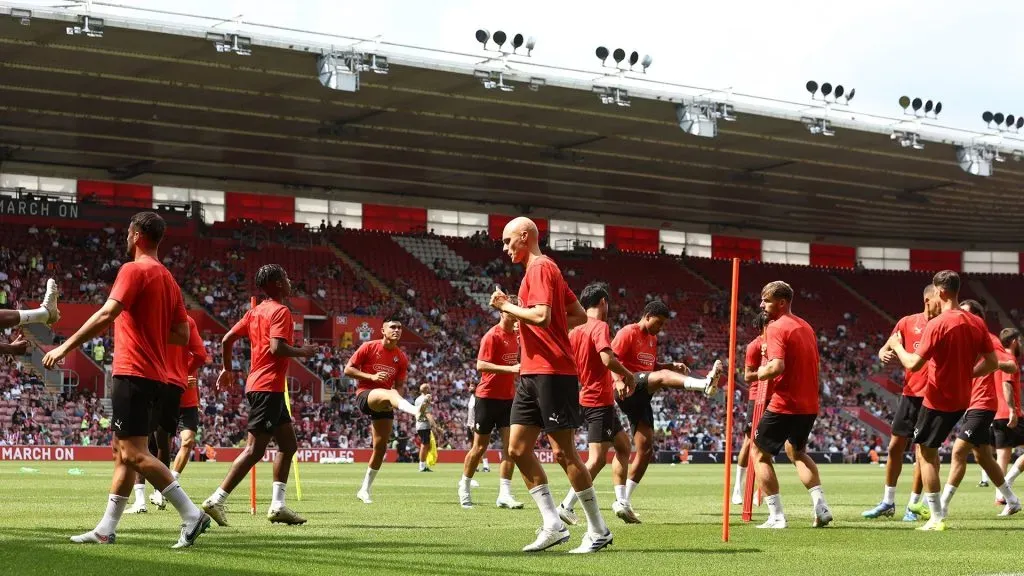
{"points": [[547, 397], [910, 328]]}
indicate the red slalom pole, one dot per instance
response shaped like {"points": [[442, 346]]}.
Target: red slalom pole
{"points": [[252, 471], [730, 393]]}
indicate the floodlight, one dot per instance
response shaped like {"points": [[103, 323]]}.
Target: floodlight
{"points": [[482, 36]]}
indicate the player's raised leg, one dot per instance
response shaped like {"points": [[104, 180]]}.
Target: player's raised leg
{"points": [[47, 312]]}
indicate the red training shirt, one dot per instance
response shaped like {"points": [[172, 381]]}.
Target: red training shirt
{"points": [[753, 361], [587, 342], [636, 350], [181, 356], [1003, 413], [267, 320], [546, 350], [987, 392], [792, 340], [196, 353], [151, 306], [502, 348], [373, 357], [954, 340], [911, 328]]}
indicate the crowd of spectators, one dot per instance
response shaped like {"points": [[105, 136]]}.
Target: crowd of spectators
{"points": [[686, 421]]}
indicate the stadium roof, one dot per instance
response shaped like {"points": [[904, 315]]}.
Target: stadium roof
{"points": [[157, 103]]}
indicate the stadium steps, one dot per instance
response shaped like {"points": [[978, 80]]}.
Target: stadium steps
{"points": [[991, 304], [868, 419], [362, 271], [429, 250], [698, 275], [41, 339], [864, 299], [872, 384], [192, 304]]}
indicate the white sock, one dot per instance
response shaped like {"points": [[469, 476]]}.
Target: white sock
{"points": [[947, 495], [630, 487], [486, 464], [188, 511], [175, 475], [423, 465], [1007, 492], [546, 505], [818, 496], [595, 522], [774, 505], [914, 498], [115, 507], [620, 492], [984, 475], [570, 500], [406, 407], [505, 487], [368, 479], [695, 383], [278, 495], [140, 494], [934, 505], [465, 481], [889, 497], [1012, 475], [741, 475], [219, 496], [38, 316]]}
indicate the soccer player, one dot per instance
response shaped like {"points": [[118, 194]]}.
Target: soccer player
{"points": [[269, 328], [194, 357], [595, 362], [148, 313], [954, 340], [1008, 427], [381, 367], [424, 426], [975, 431], [166, 412], [751, 363], [491, 408], [547, 398], [910, 329], [791, 352], [636, 347], [47, 313]]}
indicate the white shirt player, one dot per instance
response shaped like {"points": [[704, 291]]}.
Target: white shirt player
{"points": [[421, 422]]}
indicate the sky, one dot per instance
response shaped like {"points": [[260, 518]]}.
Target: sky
{"points": [[960, 53]]}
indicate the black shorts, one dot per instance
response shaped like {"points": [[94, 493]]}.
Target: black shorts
{"points": [[933, 426], [905, 420], [267, 411], [603, 424], [166, 409], [774, 430], [637, 407], [548, 401], [188, 418], [976, 427], [363, 401], [1005, 437], [424, 436], [132, 400], [491, 413]]}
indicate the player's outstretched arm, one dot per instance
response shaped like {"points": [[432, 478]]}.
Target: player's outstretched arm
{"points": [[484, 366], [278, 347], [99, 322]]}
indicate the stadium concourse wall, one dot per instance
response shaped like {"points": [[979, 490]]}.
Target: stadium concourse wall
{"points": [[362, 456]]}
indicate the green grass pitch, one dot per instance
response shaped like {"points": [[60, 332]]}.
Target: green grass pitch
{"points": [[415, 526]]}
